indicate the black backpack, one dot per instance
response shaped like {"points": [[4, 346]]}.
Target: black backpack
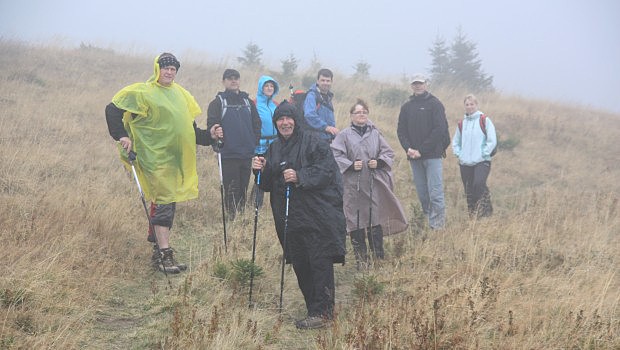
{"points": [[298, 98], [483, 126]]}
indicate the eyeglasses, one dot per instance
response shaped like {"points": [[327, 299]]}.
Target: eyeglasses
{"points": [[360, 112]]}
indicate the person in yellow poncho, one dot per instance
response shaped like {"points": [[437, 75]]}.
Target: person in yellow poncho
{"points": [[155, 119]]}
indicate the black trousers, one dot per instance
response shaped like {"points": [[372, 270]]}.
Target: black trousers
{"points": [[375, 243], [476, 191], [235, 177], [316, 280]]}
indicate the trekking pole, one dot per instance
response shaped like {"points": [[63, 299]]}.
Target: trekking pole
{"points": [[132, 157], [370, 241], [359, 174], [288, 192], [220, 144], [254, 238]]}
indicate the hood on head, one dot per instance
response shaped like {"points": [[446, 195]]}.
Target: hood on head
{"points": [[156, 68], [285, 109], [289, 110], [261, 82]]}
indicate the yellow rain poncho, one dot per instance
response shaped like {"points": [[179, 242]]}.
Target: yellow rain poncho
{"points": [[163, 138]]}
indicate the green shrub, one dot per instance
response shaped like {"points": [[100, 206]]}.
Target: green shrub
{"points": [[507, 144], [221, 271], [242, 271], [367, 287]]}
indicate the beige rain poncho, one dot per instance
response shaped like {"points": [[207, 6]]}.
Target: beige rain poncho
{"points": [[163, 138], [349, 146]]}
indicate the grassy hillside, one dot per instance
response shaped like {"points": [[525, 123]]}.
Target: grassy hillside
{"points": [[543, 273]]}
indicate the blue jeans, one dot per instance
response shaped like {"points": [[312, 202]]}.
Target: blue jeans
{"points": [[428, 180]]}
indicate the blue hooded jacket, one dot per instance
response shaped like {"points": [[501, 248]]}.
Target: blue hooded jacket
{"points": [[266, 106]]}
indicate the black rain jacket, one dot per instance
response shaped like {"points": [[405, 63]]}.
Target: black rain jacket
{"points": [[316, 220], [422, 125]]}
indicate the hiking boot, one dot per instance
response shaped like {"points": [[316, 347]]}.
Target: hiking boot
{"points": [[311, 322], [156, 259], [167, 262]]}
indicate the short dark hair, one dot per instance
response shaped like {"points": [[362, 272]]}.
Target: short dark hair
{"points": [[325, 72]]}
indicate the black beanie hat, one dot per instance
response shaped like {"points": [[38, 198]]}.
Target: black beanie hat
{"points": [[167, 59], [285, 109]]}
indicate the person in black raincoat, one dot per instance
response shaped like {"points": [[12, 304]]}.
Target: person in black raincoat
{"points": [[316, 233]]}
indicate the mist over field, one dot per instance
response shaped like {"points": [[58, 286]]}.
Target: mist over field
{"points": [[564, 51], [542, 273]]}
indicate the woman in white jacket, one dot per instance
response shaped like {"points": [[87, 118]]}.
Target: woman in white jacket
{"points": [[473, 142]]}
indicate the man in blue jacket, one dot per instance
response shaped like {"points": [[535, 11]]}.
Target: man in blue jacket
{"points": [[318, 107]]}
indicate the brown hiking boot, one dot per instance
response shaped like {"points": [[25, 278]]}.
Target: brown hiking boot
{"points": [[156, 259], [167, 262]]}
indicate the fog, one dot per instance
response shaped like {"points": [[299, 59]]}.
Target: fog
{"points": [[566, 51]]}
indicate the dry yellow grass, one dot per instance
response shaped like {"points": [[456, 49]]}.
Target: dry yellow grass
{"points": [[543, 273]]}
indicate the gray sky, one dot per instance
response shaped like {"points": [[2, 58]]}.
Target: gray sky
{"points": [[565, 51]]}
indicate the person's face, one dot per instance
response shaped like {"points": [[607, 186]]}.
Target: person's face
{"points": [[418, 88], [324, 83], [470, 106], [286, 126], [231, 83], [167, 75], [268, 89], [359, 116]]}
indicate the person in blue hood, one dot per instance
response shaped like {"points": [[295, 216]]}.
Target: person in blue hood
{"points": [[268, 88]]}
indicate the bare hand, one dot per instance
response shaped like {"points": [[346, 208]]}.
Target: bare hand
{"points": [[258, 163], [217, 132], [413, 153], [290, 176], [372, 164], [332, 130], [126, 143], [357, 165]]}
